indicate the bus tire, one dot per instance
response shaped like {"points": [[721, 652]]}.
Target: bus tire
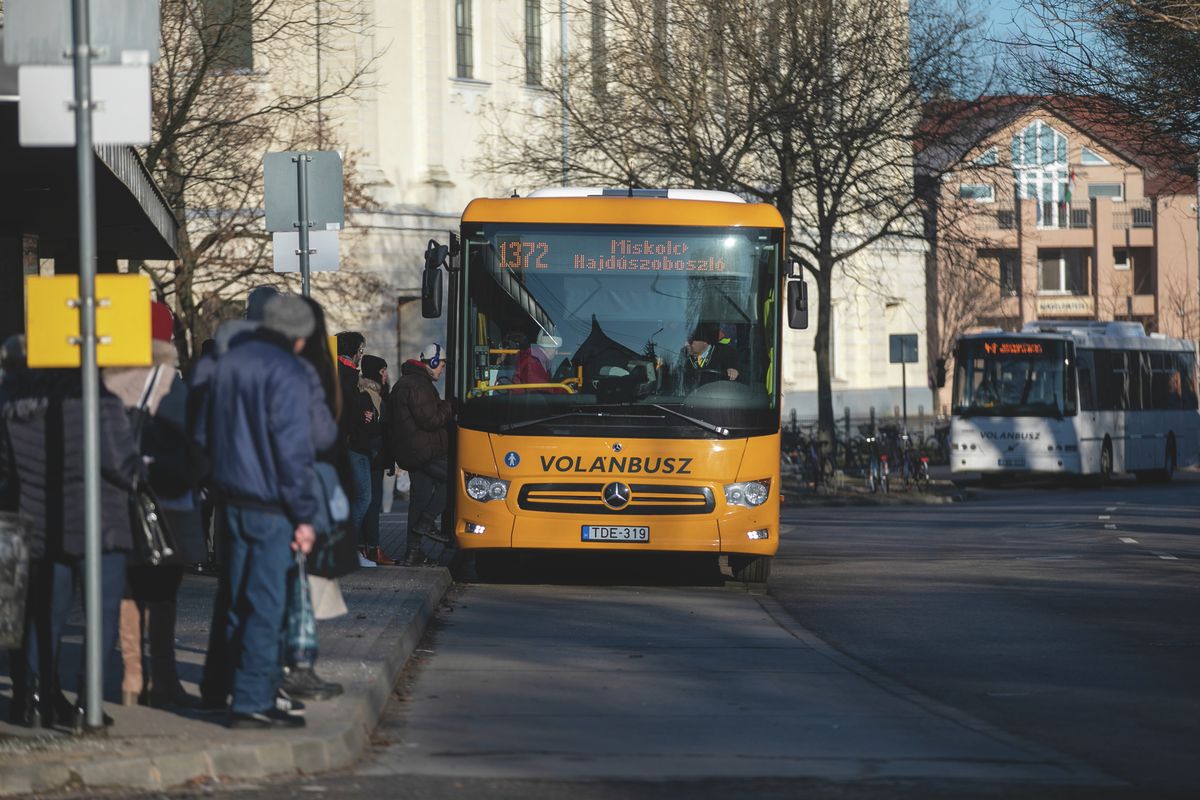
{"points": [[750, 569], [1104, 473]]}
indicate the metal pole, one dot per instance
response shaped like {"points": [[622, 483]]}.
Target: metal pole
{"points": [[84, 160], [562, 52], [302, 201], [904, 391]]}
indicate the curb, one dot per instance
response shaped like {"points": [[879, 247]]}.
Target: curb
{"points": [[317, 749]]}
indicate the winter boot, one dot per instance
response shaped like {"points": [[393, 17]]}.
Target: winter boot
{"points": [[165, 689]]}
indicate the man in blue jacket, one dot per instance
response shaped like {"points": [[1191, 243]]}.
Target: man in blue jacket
{"points": [[258, 435]]}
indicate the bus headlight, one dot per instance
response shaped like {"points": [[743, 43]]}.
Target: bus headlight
{"points": [[484, 488], [749, 493]]}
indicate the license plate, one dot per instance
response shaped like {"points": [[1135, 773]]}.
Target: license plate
{"points": [[615, 533], [1012, 462]]}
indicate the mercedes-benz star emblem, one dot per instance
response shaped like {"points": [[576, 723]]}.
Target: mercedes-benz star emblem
{"points": [[616, 495], [616, 447]]}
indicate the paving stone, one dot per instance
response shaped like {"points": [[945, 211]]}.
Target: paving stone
{"points": [[365, 650]]}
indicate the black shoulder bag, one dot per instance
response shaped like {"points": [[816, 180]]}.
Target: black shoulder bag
{"points": [[152, 538]]}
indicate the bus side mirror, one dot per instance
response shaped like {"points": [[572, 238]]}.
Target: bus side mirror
{"points": [[797, 304], [431, 279], [939, 373]]}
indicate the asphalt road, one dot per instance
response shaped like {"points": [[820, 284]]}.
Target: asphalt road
{"points": [[1036, 642]]}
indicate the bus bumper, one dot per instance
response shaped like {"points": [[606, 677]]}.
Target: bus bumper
{"points": [[744, 531]]}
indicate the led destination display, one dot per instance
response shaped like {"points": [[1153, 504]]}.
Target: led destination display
{"points": [[1014, 348], [617, 254]]}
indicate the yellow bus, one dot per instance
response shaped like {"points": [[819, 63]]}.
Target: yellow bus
{"points": [[614, 362]]}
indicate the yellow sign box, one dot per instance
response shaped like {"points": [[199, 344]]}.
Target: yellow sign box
{"points": [[122, 321]]}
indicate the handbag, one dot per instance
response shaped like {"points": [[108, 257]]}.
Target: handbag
{"points": [[152, 538], [334, 554]]}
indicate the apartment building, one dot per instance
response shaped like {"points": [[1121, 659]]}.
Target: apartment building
{"points": [[1060, 211]]}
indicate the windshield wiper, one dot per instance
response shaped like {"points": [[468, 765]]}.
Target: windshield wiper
{"points": [[525, 423], [708, 426]]}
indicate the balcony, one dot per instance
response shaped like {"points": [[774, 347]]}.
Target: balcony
{"points": [[1133, 214], [1063, 216]]}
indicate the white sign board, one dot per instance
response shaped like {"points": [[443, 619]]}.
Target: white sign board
{"points": [[47, 95], [121, 31], [287, 259], [326, 204]]}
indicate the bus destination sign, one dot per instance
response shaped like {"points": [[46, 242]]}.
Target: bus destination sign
{"points": [[1014, 348], [623, 255]]}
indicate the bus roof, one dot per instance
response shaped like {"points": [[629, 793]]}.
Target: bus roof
{"points": [[609, 209], [1090, 334]]}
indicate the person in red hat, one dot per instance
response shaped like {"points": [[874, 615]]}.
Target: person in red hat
{"points": [[156, 398]]}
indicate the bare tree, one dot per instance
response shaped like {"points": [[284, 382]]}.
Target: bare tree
{"points": [[238, 78], [809, 106], [1142, 57]]}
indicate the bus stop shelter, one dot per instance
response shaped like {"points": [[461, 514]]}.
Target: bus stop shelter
{"points": [[39, 215]]}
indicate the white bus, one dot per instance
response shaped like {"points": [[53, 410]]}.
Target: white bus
{"points": [[1079, 398]]}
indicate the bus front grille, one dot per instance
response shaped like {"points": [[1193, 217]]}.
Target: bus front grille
{"points": [[588, 498]]}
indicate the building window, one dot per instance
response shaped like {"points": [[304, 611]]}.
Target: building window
{"points": [[464, 38], [1003, 266], [1039, 157], [228, 34], [1114, 190], [533, 42], [1089, 156], [989, 158], [1061, 272], [1121, 258], [1142, 265], [979, 192]]}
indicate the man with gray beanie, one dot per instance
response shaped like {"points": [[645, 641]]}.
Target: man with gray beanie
{"points": [[258, 436]]}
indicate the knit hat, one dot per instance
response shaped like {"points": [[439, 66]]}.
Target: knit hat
{"points": [[548, 340], [162, 324], [289, 315], [432, 355], [256, 302], [705, 332], [372, 368]]}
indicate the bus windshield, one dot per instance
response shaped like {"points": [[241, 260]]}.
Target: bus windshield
{"points": [[1008, 377], [655, 331]]}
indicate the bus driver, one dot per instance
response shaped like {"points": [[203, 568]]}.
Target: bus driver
{"points": [[706, 357]]}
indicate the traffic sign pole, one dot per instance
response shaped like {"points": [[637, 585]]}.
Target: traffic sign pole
{"points": [[302, 160], [84, 158]]}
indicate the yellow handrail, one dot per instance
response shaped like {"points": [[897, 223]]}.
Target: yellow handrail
{"points": [[567, 385]]}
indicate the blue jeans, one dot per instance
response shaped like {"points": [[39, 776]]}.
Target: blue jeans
{"points": [[260, 556], [51, 593], [360, 493]]}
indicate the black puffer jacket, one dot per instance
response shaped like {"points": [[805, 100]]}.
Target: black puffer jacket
{"points": [[417, 418], [43, 416]]}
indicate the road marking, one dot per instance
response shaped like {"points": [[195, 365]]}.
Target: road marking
{"points": [[1127, 540], [1110, 526], [1165, 556], [1111, 508], [1104, 516]]}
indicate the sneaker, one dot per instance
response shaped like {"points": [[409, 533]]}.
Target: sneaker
{"points": [[259, 720], [287, 704], [363, 561], [304, 682]]}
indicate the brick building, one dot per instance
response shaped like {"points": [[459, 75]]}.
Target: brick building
{"points": [[1059, 210]]}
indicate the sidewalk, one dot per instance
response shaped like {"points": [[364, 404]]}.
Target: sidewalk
{"points": [[364, 650]]}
